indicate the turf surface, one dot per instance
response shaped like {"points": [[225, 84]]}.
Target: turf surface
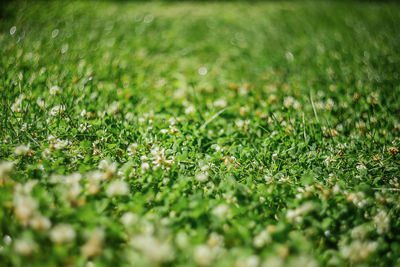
{"points": [[216, 134]]}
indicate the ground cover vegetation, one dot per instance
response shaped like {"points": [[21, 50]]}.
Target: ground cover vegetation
{"points": [[212, 134]]}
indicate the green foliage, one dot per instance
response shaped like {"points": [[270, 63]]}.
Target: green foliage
{"points": [[219, 134]]}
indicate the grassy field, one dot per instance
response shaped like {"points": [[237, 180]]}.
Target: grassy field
{"points": [[211, 134]]}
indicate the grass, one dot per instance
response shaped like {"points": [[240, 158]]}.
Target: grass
{"points": [[219, 134]]}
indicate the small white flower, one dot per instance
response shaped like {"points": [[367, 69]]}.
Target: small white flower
{"points": [[358, 250], [13, 30], [40, 223], [117, 188], [5, 169], [262, 239], [218, 148], [252, 261], [113, 108], [203, 255], [93, 245], [220, 103], [24, 247], [62, 233], [221, 210], [295, 216], [54, 90], [181, 240], [129, 116], [132, 149], [109, 168], [361, 167], [288, 101], [46, 153], [382, 222], [57, 110], [156, 250], [60, 144], [129, 218], [145, 166], [202, 71], [22, 150], [16, 107], [202, 177], [190, 110], [40, 102]]}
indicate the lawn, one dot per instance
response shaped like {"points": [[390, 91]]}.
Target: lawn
{"points": [[210, 134]]}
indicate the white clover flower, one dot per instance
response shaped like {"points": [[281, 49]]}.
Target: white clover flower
{"points": [[74, 190], [218, 148], [329, 159], [220, 103], [190, 110], [132, 149], [215, 240], [24, 246], [145, 166], [93, 245], [129, 218], [202, 71], [288, 101], [252, 261], [181, 240], [22, 150], [57, 110], [268, 179], [109, 168], [129, 116], [5, 169], [155, 250], [382, 222], [357, 199], [159, 158], [25, 189], [359, 232], [262, 239], [329, 104], [40, 223], [62, 233], [117, 188], [358, 250], [94, 179], [46, 153], [202, 177], [55, 90], [239, 123], [203, 255], [296, 215], [296, 105], [361, 167], [24, 207], [40, 102], [205, 167], [60, 144], [73, 178], [113, 108], [16, 107], [221, 210]]}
